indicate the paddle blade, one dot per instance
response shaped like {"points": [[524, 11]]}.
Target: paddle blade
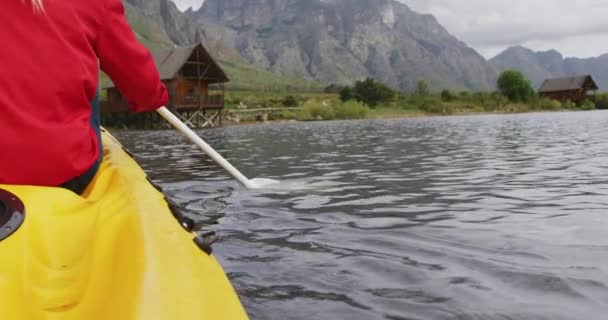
{"points": [[260, 183]]}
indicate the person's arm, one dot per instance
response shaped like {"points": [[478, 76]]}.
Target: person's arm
{"points": [[128, 63]]}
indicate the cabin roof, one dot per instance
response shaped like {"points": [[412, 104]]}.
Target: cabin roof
{"points": [[170, 61], [568, 84]]}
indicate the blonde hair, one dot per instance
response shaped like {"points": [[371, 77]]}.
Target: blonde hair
{"points": [[38, 5]]}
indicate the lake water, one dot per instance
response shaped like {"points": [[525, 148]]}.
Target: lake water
{"points": [[473, 217]]}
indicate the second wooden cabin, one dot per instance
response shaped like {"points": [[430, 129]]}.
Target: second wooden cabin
{"points": [[576, 89]]}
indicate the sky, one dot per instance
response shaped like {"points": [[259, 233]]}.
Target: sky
{"points": [[576, 28]]}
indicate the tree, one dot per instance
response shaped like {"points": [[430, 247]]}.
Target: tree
{"points": [[372, 92], [513, 85], [422, 88], [447, 95], [346, 94], [290, 101]]}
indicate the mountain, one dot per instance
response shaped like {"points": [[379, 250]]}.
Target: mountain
{"points": [[159, 24], [339, 41], [175, 25], [148, 30], [538, 66]]}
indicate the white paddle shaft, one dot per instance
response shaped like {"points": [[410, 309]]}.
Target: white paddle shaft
{"points": [[194, 138]]}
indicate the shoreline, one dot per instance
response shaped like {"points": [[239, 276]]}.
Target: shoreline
{"points": [[400, 115], [374, 114]]}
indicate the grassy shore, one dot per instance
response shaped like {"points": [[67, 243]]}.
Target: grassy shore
{"points": [[392, 113], [248, 106]]}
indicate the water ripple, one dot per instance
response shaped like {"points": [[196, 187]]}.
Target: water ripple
{"points": [[481, 217]]}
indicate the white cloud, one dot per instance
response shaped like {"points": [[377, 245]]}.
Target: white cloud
{"points": [[183, 5], [573, 27]]}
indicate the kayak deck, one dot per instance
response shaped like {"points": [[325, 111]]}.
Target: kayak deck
{"points": [[115, 253]]}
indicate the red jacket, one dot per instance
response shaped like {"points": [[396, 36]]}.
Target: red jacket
{"points": [[49, 64]]}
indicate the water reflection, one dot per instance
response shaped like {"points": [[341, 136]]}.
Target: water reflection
{"points": [[482, 217]]}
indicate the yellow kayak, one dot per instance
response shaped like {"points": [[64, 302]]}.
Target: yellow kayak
{"points": [[116, 253]]}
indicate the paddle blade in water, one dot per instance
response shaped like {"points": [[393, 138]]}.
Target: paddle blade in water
{"points": [[260, 183]]}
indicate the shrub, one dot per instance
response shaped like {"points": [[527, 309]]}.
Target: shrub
{"points": [[314, 110], [403, 102], [422, 88], [372, 92], [347, 94], [351, 110], [498, 100], [569, 105], [415, 101], [447, 96], [489, 106], [588, 105], [290, 101], [484, 100], [464, 95], [439, 108], [288, 115], [517, 107], [448, 109], [601, 101], [433, 105], [548, 104]]}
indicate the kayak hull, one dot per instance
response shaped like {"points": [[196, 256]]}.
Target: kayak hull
{"points": [[115, 253]]}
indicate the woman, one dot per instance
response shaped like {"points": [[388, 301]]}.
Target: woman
{"points": [[49, 64]]}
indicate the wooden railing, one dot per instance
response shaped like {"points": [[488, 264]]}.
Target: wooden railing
{"points": [[214, 101]]}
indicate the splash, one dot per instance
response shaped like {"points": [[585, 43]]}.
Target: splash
{"points": [[261, 183]]}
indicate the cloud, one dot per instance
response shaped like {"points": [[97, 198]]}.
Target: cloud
{"points": [[183, 5], [573, 27]]}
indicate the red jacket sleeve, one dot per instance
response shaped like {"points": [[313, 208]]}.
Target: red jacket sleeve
{"points": [[128, 63]]}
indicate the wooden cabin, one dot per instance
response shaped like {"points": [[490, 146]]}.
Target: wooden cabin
{"points": [[576, 89], [188, 73]]}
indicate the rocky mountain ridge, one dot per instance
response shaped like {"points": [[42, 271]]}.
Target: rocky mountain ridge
{"points": [[327, 41], [159, 24], [541, 65], [339, 41]]}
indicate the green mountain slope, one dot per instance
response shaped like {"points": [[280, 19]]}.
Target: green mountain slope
{"points": [[244, 76], [148, 31]]}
